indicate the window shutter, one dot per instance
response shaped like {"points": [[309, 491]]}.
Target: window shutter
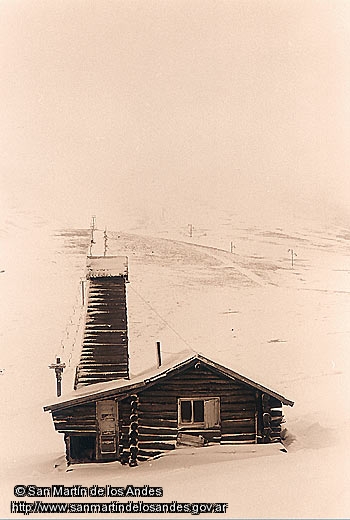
{"points": [[211, 412]]}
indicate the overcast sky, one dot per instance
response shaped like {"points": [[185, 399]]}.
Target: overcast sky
{"points": [[109, 105]]}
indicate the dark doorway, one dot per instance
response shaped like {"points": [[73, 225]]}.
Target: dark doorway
{"points": [[83, 448]]}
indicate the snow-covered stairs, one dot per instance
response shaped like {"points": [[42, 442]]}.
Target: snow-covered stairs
{"points": [[104, 354]]}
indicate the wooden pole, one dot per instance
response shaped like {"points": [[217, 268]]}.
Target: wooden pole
{"points": [[83, 292], [59, 385]]}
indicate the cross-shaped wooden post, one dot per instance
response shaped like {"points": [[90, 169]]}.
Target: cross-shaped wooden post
{"points": [[58, 366]]}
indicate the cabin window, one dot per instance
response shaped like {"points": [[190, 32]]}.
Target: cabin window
{"points": [[199, 412]]}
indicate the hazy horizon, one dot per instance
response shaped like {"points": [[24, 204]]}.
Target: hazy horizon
{"points": [[117, 108]]}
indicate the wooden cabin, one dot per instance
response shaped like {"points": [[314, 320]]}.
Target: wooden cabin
{"points": [[197, 401]]}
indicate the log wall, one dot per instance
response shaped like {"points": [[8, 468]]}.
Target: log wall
{"points": [[81, 418], [270, 418], [158, 410]]}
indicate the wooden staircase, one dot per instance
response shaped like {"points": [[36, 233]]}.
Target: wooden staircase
{"points": [[104, 355]]}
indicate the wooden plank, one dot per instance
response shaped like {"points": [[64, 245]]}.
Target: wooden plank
{"points": [[98, 362], [152, 417], [275, 435], [76, 423], [156, 421], [167, 400], [117, 354], [275, 403], [67, 418], [235, 429], [156, 438], [148, 454], [276, 413], [86, 371], [117, 348], [172, 384], [101, 370], [99, 318], [71, 429], [237, 401], [163, 446], [276, 420], [241, 418], [150, 430], [145, 398], [242, 404], [239, 423], [161, 407], [205, 389], [210, 435], [238, 414], [69, 413], [237, 442], [105, 343], [238, 411], [186, 439], [245, 437], [89, 380]]}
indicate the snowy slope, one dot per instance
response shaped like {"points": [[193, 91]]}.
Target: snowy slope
{"points": [[250, 310]]}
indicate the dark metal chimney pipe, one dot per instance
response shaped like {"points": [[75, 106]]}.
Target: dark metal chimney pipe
{"points": [[159, 354]]}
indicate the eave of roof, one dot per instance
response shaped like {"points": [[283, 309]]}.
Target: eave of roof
{"points": [[124, 387]]}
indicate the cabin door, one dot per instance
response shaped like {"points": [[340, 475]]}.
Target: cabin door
{"points": [[107, 418]]}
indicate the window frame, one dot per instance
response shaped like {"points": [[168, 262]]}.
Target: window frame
{"points": [[192, 424]]}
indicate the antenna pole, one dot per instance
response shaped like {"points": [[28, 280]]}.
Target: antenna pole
{"points": [[105, 237]]}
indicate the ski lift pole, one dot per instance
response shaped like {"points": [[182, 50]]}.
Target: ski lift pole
{"points": [[58, 367], [105, 238], [92, 241], [293, 254]]}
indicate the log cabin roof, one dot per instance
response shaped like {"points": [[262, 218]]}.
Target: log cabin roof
{"points": [[123, 388]]}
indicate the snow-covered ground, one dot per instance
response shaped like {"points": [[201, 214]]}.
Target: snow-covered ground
{"points": [[286, 327]]}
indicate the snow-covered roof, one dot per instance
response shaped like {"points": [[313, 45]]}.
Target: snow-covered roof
{"points": [[100, 266], [150, 377]]}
